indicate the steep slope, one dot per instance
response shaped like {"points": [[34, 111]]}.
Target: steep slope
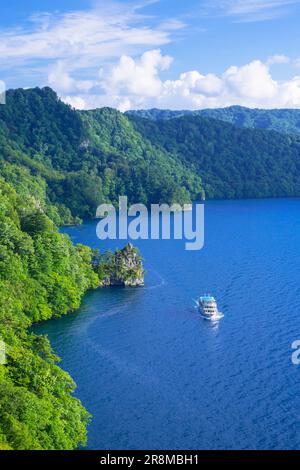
{"points": [[72, 161], [232, 162], [41, 275], [83, 159]]}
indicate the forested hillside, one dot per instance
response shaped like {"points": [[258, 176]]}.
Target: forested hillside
{"points": [[286, 121], [47, 177], [232, 162], [41, 275], [73, 161]]}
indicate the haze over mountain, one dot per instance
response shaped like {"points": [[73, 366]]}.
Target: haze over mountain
{"points": [[280, 120]]}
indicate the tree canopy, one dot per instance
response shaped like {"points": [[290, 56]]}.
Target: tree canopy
{"points": [[41, 275]]}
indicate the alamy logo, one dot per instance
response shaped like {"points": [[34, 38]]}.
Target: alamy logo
{"points": [[296, 354], [2, 353], [163, 222]]}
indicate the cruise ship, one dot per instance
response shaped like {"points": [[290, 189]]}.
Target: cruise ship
{"points": [[208, 308]]}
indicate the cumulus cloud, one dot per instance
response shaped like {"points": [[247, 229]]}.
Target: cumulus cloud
{"points": [[97, 57], [138, 78], [137, 83], [253, 81]]}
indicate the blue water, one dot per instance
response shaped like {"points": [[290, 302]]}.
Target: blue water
{"points": [[155, 375]]}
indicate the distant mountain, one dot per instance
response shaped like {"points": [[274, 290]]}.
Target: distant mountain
{"points": [[156, 114], [281, 120]]}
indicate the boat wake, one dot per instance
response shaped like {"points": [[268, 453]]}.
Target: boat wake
{"points": [[156, 286], [122, 306]]}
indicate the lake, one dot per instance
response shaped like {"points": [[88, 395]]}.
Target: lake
{"points": [[155, 375]]}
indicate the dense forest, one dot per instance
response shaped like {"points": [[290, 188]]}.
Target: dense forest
{"points": [[42, 275], [285, 121], [72, 161], [232, 162], [81, 159]]}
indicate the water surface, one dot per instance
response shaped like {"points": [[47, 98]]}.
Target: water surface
{"points": [[155, 375]]}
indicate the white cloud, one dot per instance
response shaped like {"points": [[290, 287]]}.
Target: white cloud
{"points": [[97, 58], [80, 41], [2, 92], [252, 81], [252, 10], [136, 83], [75, 101], [195, 82], [278, 59], [138, 78], [59, 78], [172, 24], [290, 94], [102, 32]]}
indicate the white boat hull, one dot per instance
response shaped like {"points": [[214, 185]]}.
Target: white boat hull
{"points": [[213, 316]]}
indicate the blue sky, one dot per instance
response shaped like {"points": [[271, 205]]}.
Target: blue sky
{"points": [[164, 53]]}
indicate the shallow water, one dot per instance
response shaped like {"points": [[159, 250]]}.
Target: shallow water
{"points": [[155, 375]]}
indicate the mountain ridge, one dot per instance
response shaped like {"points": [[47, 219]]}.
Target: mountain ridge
{"points": [[280, 120], [71, 161]]}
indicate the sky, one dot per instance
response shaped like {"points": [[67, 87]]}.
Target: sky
{"points": [[132, 54]]}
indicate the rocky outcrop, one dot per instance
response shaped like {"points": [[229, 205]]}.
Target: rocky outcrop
{"points": [[128, 269], [122, 268]]}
